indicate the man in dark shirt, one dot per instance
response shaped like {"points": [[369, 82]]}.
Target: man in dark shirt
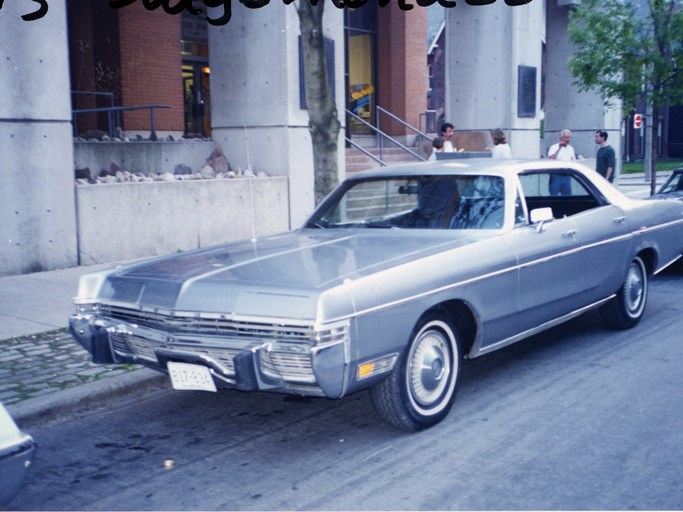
{"points": [[606, 159]]}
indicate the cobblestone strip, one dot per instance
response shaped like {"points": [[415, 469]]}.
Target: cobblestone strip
{"points": [[39, 364]]}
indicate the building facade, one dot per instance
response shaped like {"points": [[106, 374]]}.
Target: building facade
{"points": [[240, 83]]}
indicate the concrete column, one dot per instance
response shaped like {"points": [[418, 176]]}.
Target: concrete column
{"points": [[566, 107], [255, 87], [485, 45], [37, 213]]}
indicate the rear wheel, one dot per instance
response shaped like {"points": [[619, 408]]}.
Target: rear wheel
{"points": [[626, 309], [421, 389]]}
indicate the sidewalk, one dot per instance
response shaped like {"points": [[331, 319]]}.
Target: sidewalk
{"points": [[44, 371], [635, 186]]}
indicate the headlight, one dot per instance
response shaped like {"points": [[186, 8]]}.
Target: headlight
{"points": [[87, 309]]}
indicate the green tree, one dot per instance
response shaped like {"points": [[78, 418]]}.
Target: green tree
{"points": [[631, 50], [323, 123]]}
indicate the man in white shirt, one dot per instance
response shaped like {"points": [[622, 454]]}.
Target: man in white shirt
{"points": [[561, 184], [447, 134]]}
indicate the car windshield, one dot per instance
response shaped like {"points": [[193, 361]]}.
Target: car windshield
{"points": [[675, 184], [416, 202]]}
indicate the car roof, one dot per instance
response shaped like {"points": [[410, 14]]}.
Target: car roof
{"points": [[474, 166]]}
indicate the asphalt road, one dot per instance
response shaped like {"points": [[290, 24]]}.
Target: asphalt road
{"points": [[580, 417]]}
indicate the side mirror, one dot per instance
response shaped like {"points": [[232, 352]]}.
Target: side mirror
{"points": [[540, 216]]}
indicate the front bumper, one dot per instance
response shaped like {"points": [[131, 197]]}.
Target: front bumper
{"points": [[17, 450], [14, 466], [309, 362]]}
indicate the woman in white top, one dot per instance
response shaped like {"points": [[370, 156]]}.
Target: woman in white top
{"points": [[501, 149]]}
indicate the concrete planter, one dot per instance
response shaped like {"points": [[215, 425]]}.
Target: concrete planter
{"points": [[145, 157], [123, 221]]}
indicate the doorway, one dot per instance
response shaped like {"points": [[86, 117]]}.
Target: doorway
{"points": [[196, 76], [361, 66]]}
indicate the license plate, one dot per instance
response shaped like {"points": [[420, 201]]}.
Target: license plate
{"points": [[190, 376]]}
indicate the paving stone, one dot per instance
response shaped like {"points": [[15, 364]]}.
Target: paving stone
{"points": [[45, 363], [91, 372], [10, 399], [16, 357]]}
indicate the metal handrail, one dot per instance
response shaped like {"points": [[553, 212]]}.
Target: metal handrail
{"points": [[422, 136], [383, 136], [115, 110], [429, 117], [110, 121], [365, 151]]}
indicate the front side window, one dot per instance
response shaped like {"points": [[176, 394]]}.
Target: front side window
{"points": [[419, 202]]}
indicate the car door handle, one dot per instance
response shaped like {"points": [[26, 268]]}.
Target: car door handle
{"points": [[619, 220], [569, 234]]}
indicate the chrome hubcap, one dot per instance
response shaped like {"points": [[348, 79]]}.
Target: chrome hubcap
{"points": [[430, 368], [633, 289]]}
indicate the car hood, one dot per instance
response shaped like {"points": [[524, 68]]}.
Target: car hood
{"points": [[277, 276]]}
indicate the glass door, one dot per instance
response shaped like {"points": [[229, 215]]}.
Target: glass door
{"points": [[361, 47]]}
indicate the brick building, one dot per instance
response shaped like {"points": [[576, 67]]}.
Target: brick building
{"points": [[146, 57]]}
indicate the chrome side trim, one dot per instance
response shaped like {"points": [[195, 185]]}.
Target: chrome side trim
{"points": [[424, 294], [668, 264], [646, 229], [620, 238], [538, 329]]}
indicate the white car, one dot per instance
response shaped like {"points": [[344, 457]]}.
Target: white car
{"points": [[16, 455]]}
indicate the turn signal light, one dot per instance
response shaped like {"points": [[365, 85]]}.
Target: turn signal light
{"points": [[376, 367]]}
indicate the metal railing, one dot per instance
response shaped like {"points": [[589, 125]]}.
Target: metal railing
{"points": [[420, 136], [113, 116], [365, 151], [381, 137], [428, 121], [112, 122]]}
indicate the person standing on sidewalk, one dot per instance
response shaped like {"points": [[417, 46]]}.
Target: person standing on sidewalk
{"points": [[501, 148], [606, 159], [561, 184]]}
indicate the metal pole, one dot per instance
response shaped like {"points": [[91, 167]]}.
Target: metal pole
{"points": [[648, 142], [153, 133]]}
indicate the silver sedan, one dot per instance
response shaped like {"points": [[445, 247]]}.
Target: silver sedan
{"points": [[397, 277]]}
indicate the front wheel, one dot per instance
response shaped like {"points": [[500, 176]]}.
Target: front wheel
{"points": [[421, 389], [626, 309]]}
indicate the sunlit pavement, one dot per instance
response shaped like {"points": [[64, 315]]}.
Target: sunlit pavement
{"points": [[635, 185]]}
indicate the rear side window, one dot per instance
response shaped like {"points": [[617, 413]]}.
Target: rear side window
{"points": [[560, 190]]}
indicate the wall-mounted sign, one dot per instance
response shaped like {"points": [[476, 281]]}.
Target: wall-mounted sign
{"points": [[637, 120], [526, 91]]}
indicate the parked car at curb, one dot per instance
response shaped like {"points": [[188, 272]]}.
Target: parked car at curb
{"points": [[672, 188], [17, 450], [397, 277]]}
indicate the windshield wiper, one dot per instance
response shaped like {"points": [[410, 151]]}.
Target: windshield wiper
{"points": [[382, 224], [317, 225]]}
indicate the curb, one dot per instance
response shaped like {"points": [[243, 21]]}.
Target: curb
{"points": [[40, 409]]}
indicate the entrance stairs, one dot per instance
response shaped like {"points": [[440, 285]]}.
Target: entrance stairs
{"points": [[376, 148], [357, 161]]}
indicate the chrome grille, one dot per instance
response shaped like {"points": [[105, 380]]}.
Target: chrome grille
{"points": [[209, 324], [288, 355], [127, 343], [289, 366]]}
